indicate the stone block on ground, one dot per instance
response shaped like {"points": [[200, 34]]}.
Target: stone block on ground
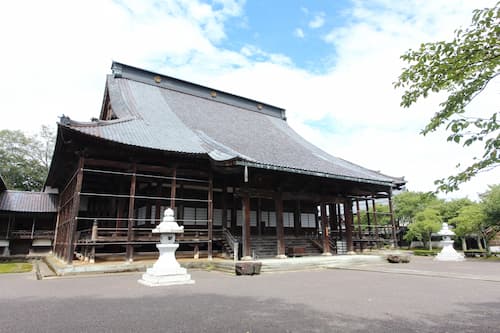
{"points": [[247, 268], [398, 258]]}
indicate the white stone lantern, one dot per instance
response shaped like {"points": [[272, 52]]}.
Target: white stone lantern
{"points": [[166, 270], [448, 253]]}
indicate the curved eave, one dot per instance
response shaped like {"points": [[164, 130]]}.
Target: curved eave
{"points": [[391, 184]]}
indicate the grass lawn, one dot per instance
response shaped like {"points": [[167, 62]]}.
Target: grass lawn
{"points": [[15, 267]]}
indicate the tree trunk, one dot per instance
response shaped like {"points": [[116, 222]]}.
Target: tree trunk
{"points": [[464, 244], [430, 241], [479, 243]]}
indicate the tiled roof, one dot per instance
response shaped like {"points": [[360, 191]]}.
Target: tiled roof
{"points": [[159, 112], [28, 202]]}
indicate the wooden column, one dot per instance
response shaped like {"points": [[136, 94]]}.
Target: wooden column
{"points": [[210, 213], [224, 207], [360, 233], [158, 204], [173, 189], [324, 229], [339, 218], [348, 224], [247, 246], [370, 234], [393, 223], [259, 216], [375, 225], [280, 232], [234, 215], [131, 204], [297, 228], [73, 225]]}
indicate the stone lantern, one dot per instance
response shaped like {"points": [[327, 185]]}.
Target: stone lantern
{"points": [[448, 253], [166, 270]]}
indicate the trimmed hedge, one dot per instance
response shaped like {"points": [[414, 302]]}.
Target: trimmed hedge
{"points": [[426, 253]]}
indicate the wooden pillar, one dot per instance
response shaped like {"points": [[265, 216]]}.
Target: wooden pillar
{"points": [[247, 246], [324, 229], [280, 232], [375, 225], [370, 234], [339, 219], [158, 216], [360, 232], [131, 204], [73, 225], [173, 188], [210, 213], [224, 207], [348, 225], [393, 223], [297, 228], [234, 215], [259, 216]]}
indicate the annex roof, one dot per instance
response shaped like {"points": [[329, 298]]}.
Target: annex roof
{"points": [[159, 112], [28, 202]]}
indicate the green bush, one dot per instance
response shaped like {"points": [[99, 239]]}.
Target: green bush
{"points": [[425, 253]]}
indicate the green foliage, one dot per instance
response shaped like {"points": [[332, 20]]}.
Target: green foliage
{"points": [[408, 204], [426, 222], [491, 205], [462, 68], [15, 267], [24, 159], [470, 220], [425, 253]]}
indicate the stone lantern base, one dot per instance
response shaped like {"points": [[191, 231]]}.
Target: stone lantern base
{"points": [[166, 271]]}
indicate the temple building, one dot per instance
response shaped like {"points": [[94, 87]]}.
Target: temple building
{"points": [[242, 182]]}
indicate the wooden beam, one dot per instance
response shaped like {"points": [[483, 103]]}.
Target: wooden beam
{"points": [[348, 225], [297, 228], [280, 232], [393, 222], [131, 205], [73, 226], [247, 246], [324, 229], [173, 188], [210, 197]]}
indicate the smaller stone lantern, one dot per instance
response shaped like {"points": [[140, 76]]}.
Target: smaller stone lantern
{"points": [[166, 271], [448, 253]]}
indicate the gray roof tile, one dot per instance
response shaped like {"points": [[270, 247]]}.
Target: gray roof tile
{"points": [[176, 120], [28, 202]]}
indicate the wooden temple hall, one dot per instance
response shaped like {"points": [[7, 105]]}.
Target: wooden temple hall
{"points": [[242, 182]]}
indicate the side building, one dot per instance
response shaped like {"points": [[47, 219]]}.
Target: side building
{"points": [[27, 221], [240, 179]]}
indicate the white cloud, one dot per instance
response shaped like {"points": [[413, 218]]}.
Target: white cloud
{"points": [[56, 54], [318, 21], [299, 33]]}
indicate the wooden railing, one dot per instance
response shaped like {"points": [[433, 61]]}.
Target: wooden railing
{"points": [[29, 234], [231, 241]]}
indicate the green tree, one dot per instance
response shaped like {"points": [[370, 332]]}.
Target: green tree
{"points": [[426, 222], [450, 209], [24, 159], [470, 223], [491, 205], [462, 68], [408, 204]]}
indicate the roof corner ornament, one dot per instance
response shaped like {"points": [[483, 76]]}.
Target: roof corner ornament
{"points": [[64, 120], [117, 69]]}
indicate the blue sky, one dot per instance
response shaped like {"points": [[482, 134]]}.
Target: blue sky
{"points": [[330, 64]]}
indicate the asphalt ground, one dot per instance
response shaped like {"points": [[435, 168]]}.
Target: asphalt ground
{"points": [[327, 300]]}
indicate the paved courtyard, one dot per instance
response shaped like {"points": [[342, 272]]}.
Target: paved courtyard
{"points": [[379, 298]]}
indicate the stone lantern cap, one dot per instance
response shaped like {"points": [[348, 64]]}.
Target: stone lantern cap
{"points": [[445, 230], [168, 225]]}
